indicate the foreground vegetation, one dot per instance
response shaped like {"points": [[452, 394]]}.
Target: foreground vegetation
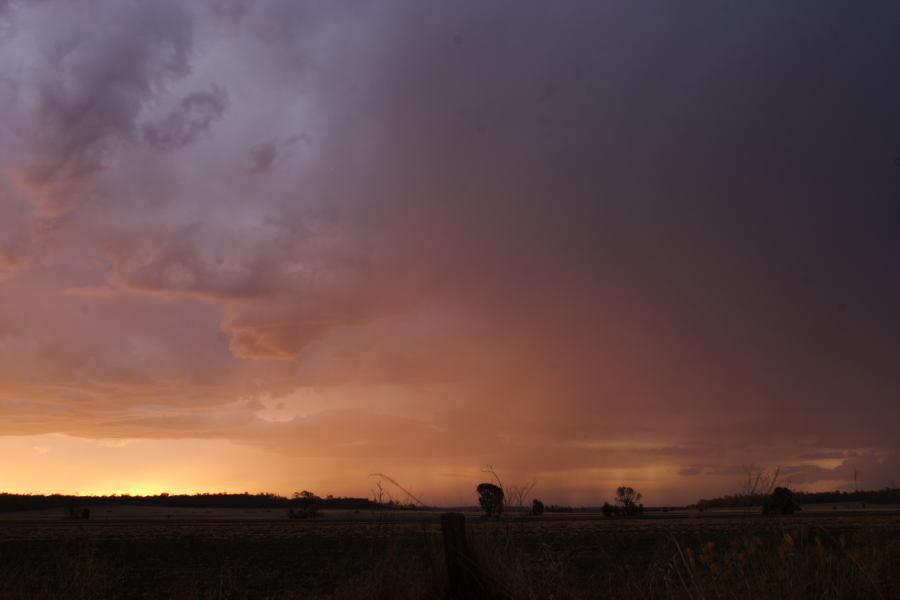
{"points": [[345, 554]]}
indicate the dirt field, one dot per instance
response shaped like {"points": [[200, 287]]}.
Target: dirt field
{"points": [[163, 553]]}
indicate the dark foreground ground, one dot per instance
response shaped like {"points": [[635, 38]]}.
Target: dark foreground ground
{"points": [[167, 553]]}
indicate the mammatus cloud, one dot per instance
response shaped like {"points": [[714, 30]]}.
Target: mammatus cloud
{"points": [[580, 242]]}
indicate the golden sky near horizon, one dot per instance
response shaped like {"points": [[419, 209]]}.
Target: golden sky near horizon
{"points": [[276, 245]]}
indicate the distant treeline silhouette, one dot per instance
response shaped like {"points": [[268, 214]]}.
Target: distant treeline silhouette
{"points": [[559, 508], [883, 496], [19, 502]]}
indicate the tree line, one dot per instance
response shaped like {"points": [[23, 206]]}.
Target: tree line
{"points": [[20, 502], [882, 496]]}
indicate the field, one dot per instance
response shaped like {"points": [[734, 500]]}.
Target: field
{"points": [[170, 553]]}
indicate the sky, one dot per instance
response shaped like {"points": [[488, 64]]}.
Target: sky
{"points": [[277, 245]]}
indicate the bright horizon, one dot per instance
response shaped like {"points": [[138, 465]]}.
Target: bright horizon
{"points": [[276, 246], [144, 467]]}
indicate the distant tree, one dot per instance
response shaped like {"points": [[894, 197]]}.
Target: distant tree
{"points": [[307, 505], [490, 497], [378, 493], [627, 500], [607, 509], [537, 507], [781, 501], [410, 497]]}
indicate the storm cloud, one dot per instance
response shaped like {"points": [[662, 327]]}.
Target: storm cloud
{"points": [[575, 241]]}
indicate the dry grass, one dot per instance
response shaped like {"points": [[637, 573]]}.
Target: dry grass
{"points": [[769, 562], [396, 557]]}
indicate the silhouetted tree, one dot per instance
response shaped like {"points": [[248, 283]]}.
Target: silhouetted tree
{"points": [[537, 507], [627, 499], [607, 509], [490, 497], [307, 503], [781, 501]]}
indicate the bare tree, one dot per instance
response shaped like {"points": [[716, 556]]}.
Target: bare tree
{"points": [[378, 493], [629, 501], [517, 494], [410, 497], [514, 496], [493, 473], [760, 481]]}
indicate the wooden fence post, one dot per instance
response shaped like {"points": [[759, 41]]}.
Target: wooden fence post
{"points": [[462, 570]]}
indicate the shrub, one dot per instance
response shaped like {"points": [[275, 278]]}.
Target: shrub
{"points": [[308, 505], [490, 497], [781, 501]]}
